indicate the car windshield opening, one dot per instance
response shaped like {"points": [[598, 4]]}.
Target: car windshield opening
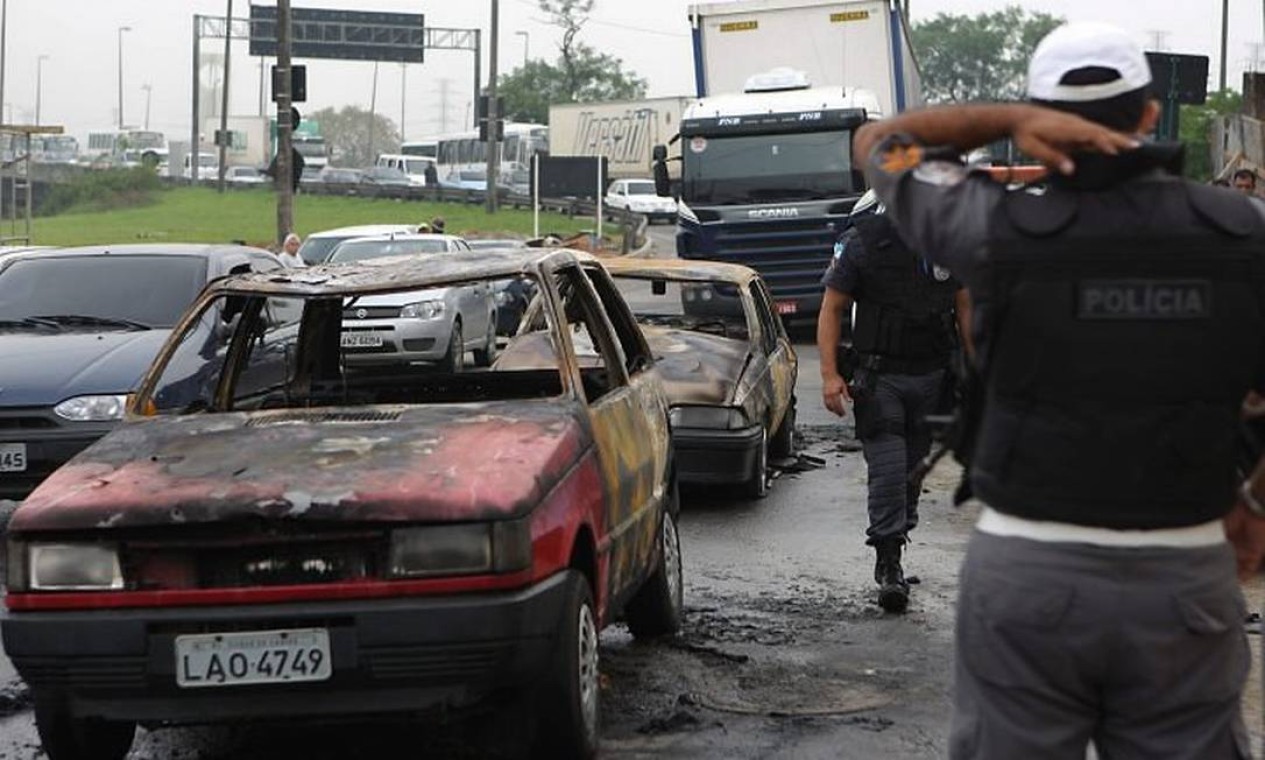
{"points": [[714, 307], [111, 291], [641, 188], [362, 250]]}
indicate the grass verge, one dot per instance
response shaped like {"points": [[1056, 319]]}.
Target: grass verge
{"points": [[201, 215]]}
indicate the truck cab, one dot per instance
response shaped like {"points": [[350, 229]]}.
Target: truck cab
{"points": [[766, 175]]}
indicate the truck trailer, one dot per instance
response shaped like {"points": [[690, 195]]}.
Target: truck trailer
{"points": [[765, 152], [623, 131]]}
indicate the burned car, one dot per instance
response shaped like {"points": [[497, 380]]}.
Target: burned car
{"points": [[275, 532], [726, 362]]}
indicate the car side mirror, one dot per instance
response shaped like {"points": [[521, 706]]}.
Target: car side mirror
{"points": [[659, 287]]}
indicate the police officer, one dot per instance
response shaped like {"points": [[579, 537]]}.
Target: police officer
{"points": [[902, 340], [1118, 318]]}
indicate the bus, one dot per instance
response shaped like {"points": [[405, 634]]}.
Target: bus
{"points": [[462, 158]]}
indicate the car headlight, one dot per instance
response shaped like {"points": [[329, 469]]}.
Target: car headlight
{"points": [[468, 549], [64, 567], [715, 417], [92, 408], [423, 310]]}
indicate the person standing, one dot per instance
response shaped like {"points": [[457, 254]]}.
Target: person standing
{"points": [[903, 339], [1118, 327], [290, 252]]}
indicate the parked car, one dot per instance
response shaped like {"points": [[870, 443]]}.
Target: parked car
{"points": [[318, 246], [385, 177], [338, 178], [437, 325], [78, 328], [245, 175], [486, 244], [514, 295], [275, 534], [730, 374], [414, 167], [638, 196]]}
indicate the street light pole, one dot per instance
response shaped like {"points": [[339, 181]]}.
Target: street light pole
{"points": [[494, 114], [149, 93], [1225, 36], [4, 36], [228, 59], [526, 45], [39, 85], [121, 30], [403, 97]]}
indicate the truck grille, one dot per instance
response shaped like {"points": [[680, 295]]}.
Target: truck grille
{"points": [[791, 254]]}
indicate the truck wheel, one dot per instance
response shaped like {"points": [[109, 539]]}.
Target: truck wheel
{"points": [[783, 443], [66, 737], [483, 357], [568, 702], [757, 487], [454, 360], [656, 608]]}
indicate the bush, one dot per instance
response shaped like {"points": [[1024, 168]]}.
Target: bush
{"points": [[103, 191]]}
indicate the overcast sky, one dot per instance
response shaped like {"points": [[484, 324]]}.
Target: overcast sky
{"points": [[80, 38]]}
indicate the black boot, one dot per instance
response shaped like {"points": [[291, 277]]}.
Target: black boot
{"points": [[893, 590]]}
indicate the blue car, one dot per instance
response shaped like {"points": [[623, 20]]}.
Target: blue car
{"points": [[78, 329]]}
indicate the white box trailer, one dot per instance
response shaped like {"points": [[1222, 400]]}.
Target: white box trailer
{"points": [[624, 131], [849, 43], [249, 142]]}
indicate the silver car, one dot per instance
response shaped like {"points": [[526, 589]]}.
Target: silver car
{"points": [[437, 325]]}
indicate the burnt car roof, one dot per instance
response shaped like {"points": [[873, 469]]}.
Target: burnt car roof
{"points": [[681, 269], [422, 270]]}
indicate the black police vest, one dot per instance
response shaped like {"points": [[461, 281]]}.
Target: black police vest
{"points": [[904, 313], [1122, 329]]}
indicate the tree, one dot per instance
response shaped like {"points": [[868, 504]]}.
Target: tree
{"points": [[983, 57], [1195, 128], [346, 131], [580, 74]]}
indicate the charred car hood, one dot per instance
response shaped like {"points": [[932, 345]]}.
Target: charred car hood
{"points": [[456, 462], [42, 370], [697, 368]]}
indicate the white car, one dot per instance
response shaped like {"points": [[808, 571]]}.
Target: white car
{"points": [[245, 175], [436, 326], [318, 246], [638, 196]]}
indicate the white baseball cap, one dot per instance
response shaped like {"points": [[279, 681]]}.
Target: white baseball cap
{"points": [[1084, 45]]}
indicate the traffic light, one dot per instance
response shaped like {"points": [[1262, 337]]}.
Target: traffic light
{"points": [[482, 114], [298, 84]]}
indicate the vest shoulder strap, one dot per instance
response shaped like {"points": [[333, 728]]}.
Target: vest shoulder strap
{"points": [[1225, 210]]}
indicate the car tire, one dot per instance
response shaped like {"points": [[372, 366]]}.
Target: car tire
{"points": [[66, 737], [783, 444], [656, 609], [568, 702], [483, 357], [454, 360], [757, 486]]}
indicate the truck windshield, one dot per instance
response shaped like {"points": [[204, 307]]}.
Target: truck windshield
{"points": [[767, 168]]}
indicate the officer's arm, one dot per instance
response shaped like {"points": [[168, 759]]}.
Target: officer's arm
{"points": [[835, 307], [1045, 134], [1245, 529], [962, 309]]}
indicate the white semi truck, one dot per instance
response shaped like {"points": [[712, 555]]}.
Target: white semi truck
{"points": [[765, 151], [623, 131]]}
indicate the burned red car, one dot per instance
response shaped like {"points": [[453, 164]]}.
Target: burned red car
{"points": [[276, 532]]}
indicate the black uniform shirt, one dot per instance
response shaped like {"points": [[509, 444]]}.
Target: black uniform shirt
{"points": [[853, 262]]}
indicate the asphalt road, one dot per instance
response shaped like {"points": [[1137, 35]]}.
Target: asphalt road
{"points": [[784, 652]]}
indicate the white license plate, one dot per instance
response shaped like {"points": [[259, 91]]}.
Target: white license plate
{"points": [[236, 659], [361, 340], [787, 307], [12, 457]]}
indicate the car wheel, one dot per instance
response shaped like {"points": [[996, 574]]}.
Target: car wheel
{"points": [[758, 486], [568, 703], [483, 357], [783, 444], [656, 608], [454, 360], [66, 737]]}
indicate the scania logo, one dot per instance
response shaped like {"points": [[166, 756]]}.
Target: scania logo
{"points": [[773, 213], [362, 313]]}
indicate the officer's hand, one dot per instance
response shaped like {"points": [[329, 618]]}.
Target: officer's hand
{"points": [[1050, 136], [1253, 406], [1246, 533], [834, 393]]}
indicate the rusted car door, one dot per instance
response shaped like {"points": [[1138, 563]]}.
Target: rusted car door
{"points": [[776, 380], [629, 422]]}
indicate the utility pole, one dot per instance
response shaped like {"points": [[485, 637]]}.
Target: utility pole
{"points": [[373, 110], [194, 142], [526, 45], [228, 60], [285, 182], [121, 30], [1225, 36], [4, 38], [149, 94], [403, 97], [39, 86], [494, 115]]}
